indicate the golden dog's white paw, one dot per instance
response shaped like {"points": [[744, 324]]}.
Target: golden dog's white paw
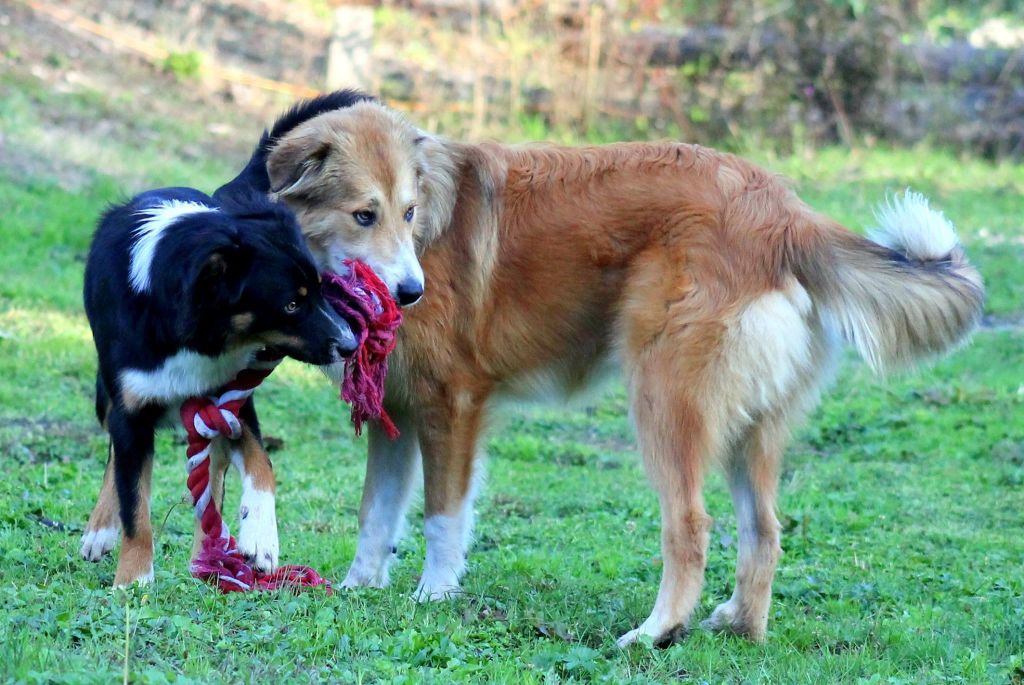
{"points": [[364, 574], [728, 617], [97, 543], [722, 618], [661, 635], [437, 587], [445, 561]]}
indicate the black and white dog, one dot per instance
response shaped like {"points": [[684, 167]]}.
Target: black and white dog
{"points": [[181, 292]]}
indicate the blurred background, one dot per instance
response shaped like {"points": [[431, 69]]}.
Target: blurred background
{"points": [[786, 76]]}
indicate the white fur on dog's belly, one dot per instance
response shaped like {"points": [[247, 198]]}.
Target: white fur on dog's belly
{"points": [[554, 383], [186, 374]]}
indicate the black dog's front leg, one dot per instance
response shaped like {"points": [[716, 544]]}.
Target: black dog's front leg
{"points": [[132, 452], [257, 532]]}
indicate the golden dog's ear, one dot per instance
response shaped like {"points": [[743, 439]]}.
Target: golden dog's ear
{"points": [[295, 163], [437, 164]]}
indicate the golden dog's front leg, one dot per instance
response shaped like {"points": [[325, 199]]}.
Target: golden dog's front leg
{"points": [[391, 468], [448, 440]]}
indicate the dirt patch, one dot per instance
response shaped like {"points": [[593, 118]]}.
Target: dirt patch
{"points": [[39, 440], [117, 93]]}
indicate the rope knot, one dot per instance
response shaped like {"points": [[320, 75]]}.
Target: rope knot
{"points": [[210, 421]]}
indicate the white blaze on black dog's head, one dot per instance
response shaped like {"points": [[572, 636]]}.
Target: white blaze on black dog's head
{"points": [[146, 237], [352, 178]]}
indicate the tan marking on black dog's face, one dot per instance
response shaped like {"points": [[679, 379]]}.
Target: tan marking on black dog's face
{"points": [[282, 340], [240, 323], [351, 177]]}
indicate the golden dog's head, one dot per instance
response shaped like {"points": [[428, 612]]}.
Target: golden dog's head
{"points": [[352, 176]]}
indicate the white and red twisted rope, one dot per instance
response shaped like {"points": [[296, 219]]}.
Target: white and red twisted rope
{"points": [[363, 299], [205, 419]]}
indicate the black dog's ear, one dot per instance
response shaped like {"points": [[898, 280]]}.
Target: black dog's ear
{"points": [[214, 285], [295, 163], [221, 277]]}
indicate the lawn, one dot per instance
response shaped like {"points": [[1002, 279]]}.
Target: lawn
{"points": [[902, 499]]}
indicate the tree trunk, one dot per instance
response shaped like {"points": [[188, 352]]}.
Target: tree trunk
{"points": [[350, 50]]}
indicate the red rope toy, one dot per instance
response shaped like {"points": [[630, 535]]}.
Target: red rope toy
{"points": [[365, 302]]}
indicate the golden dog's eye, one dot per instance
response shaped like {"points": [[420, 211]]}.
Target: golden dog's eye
{"points": [[291, 308], [364, 217], [409, 214]]}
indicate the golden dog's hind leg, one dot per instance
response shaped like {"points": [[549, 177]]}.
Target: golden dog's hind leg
{"points": [[673, 437], [104, 526], [753, 474]]}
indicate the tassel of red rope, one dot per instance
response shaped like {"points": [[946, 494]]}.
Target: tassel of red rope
{"points": [[366, 303]]}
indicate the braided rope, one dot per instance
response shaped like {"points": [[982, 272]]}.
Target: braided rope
{"points": [[205, 419], [365, 302]]}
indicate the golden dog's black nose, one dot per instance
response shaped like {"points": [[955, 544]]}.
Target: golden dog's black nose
{"points": [[409, 292]]}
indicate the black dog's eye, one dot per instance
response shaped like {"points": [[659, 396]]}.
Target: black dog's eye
{"points": [[409, 214], [291, 308], [364, 217]]}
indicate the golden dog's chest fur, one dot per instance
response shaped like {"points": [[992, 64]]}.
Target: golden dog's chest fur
{"points": [[723, 296]]}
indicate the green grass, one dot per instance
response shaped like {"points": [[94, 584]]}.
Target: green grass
{"points": [[902, 500]]}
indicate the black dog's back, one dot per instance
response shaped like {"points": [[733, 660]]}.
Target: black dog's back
{"points": [[111, 311]]}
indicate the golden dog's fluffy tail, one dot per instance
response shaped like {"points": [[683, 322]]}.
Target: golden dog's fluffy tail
{"points": [[905, 294]]}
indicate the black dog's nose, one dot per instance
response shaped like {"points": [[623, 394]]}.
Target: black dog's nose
{"points": [[342, 350], [346, 342], [409, 291]]}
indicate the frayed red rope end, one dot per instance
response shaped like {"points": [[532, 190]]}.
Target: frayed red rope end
{"points": [[366, 303], [221, 564]]}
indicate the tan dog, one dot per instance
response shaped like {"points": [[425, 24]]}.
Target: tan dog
{"points": [[722, 296]]}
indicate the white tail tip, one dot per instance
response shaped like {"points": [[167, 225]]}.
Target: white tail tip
{"points": [[907, 224]]}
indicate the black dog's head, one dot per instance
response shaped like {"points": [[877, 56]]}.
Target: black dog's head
{"points": [[255, 283]]}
